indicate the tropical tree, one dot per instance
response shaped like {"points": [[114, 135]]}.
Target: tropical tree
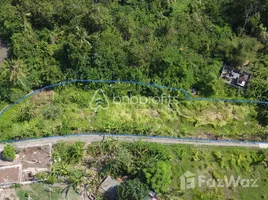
{"points": [[240, 50], [14, 70], [75, 181], [82, 182]]}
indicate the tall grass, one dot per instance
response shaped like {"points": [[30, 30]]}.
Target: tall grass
{"points": [[50, 111]]}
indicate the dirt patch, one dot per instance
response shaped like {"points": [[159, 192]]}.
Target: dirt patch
{"points": [[8, 194], [29, 161], [213, 116], [154, 113], [35, 157], [10, 174], [208, 136], [43, 97]]}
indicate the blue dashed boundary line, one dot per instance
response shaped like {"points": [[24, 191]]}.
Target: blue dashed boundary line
{"points": [[137, 83], [131, 135]]}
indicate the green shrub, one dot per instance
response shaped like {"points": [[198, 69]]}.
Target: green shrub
{"points": [[27, 113], [9, 153], [132, 190], [76, 152], [159, 176], [52, 112]]}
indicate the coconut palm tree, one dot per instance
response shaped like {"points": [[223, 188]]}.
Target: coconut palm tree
{"points": [[82, 36], [14, 70], [75, 181]]}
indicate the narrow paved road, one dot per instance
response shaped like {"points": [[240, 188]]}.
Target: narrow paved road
{"points": [[130, 138]]}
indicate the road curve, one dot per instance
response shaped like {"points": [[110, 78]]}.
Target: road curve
{"points": [[130, 138]]}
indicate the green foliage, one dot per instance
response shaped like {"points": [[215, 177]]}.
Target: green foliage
{"points": [[179, 44], [52, 112], [76, 152], [240, 50], [75, 181], [66, 111], [258, 87], [16, 186], [209, 194], [108, 40], [157, 173], [9, 153], [27, 113], [9, 24], [123, 161], [158, 176], [69, 153], [132, 190], [263, 115], [43, 191], [41, 176]]}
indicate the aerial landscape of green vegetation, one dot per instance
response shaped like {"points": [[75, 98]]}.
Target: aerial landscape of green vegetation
{"points": [[155, 167], [68, 111], [181, 44], [184, 44]]}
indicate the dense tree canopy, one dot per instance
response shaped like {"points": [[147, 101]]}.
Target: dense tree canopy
{"points": [[179, 44]]}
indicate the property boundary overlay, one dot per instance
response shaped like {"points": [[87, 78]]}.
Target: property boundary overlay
{"points": [[187, 96]]}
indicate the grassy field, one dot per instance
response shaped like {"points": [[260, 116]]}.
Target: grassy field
{"points": [[70, 110], [216, 163], [44, 192]]}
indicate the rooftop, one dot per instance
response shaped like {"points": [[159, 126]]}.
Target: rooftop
{"points": [[235, 77]]}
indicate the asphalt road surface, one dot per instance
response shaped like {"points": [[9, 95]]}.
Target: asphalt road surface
{"points": [[130, 138]]}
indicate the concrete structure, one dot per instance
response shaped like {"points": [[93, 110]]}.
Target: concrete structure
{"points": [[108, 187], [10, 174], [235, 77], [29, 161]]}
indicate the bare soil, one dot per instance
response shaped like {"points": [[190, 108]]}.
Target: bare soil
{"points": [[10, 174], [8, 194], [35, 157], [43, 97], [31, 159]]}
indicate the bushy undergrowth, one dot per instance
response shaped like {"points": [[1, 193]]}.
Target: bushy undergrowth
{"points": [[159, 167], [69, 110]]}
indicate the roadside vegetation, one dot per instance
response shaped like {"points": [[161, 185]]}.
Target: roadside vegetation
{"points": [[69, 111], [43, 192], [142, 166], [8, 153], [179, 44]]}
